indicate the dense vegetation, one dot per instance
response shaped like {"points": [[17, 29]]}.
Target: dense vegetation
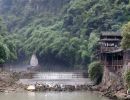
{"points": [[95, 71], [61, 30], [7, 47], [126, 36], [127, 78]]}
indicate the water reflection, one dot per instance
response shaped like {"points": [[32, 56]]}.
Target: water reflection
{"points": [[52, 96]]}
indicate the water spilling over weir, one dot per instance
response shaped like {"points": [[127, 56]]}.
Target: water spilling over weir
{"points": [[57, 78]]}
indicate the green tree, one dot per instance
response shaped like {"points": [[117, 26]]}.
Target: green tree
{"points": [[65, 31], [7, 47], [3, 53], [95, 72], [126, 36]]}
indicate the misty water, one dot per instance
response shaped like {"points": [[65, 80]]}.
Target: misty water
{"points": [[52, 96]]}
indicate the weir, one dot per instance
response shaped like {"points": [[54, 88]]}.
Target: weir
{"points": [[58, 78]]}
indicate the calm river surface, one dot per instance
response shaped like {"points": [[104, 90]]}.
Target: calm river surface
{"points": [[51, 96]]}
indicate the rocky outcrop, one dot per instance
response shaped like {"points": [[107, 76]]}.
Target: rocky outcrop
{"points": [[8, 82], [111, 84]]}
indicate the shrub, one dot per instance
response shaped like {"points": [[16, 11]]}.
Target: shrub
{"points": [[95, 71], [3, 53], [127, 78]]}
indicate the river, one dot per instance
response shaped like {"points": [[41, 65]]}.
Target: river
{"points": [[64, 78], [52, 78], [52, 96]]}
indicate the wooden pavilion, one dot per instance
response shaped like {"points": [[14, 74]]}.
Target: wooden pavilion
{"points": [[109, 52]]}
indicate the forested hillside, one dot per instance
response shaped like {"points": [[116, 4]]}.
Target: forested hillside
{"points": [[19, 13], [61, 30]]}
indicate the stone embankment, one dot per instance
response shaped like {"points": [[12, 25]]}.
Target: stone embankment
{"points": [[43, 87], [112, 91], [9, 82]]}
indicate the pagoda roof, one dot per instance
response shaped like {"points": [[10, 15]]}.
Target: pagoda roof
{"points": [[111, 33], [118, 50], [109, 40]]}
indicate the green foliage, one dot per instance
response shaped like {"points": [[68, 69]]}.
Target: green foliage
{"points": [[3, 53], [3, 28], [67, 31], [63, 46], [93, 39], [95, 72], [7, 47], [126, 36], [127, 78], [99, 15], [11, 49], [22, 13]]}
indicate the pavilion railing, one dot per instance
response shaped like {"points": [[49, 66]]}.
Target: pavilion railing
{"points": [[108, 49]]}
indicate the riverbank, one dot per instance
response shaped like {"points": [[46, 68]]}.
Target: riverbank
{"points": [[112, 92], [9, 83]]}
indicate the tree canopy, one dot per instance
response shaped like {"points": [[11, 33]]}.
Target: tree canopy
{"points": [[126, 36], [7, 47], [65, 32]]}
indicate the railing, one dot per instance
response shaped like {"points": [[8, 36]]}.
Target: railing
{"points": [[107, 49]]}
